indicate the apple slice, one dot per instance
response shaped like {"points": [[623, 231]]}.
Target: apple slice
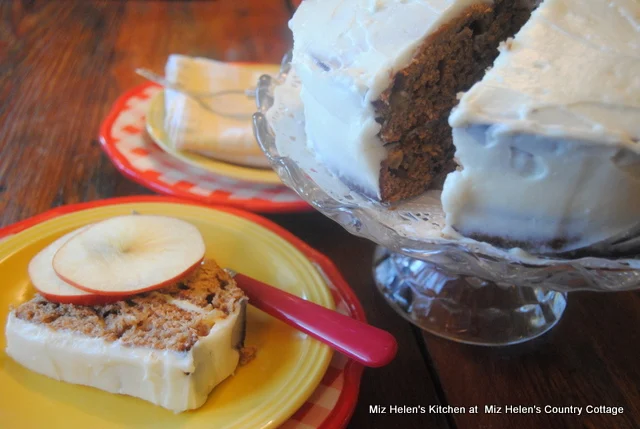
{"points": [[47, 282], [130, 254]]}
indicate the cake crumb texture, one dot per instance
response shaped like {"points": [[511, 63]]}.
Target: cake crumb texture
{"points": [[170, 318], [413, 111], [247, 354]]}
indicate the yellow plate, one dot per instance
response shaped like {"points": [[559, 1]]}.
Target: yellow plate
{"points": [[262, 394], [155, 128]]}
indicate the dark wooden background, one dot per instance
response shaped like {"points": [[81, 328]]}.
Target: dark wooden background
{"points": [[62, 64]]}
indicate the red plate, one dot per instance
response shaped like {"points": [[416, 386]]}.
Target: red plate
{"points": [[126, 143]]}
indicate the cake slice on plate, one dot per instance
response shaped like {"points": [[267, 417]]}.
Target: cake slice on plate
{"points": [[169, 347], [156, 321]]}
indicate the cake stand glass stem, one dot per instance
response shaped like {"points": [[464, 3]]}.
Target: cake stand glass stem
{"points": [[463, 308]]}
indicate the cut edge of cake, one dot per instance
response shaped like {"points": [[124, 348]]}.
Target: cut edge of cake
{"points": [[413, 111], [379, 80]]}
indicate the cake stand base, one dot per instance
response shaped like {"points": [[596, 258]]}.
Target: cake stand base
{"points": [[463, 308]]}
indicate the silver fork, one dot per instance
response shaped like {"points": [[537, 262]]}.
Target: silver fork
{"points": [[202, 98]]}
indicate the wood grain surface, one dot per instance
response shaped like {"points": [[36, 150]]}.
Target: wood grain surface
{"points": [[62, 64]]}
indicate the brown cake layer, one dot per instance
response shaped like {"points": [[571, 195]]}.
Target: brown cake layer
{"points": [[414, 109], [148, 319]]}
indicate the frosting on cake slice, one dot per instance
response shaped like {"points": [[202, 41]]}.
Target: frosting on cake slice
{"points": [[548, 140], [170, 347]]}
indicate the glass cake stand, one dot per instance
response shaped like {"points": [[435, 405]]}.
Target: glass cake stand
{"points": [[460, 289]]}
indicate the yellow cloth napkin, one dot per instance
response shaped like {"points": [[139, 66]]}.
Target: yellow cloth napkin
{"points": [[190, 127]]}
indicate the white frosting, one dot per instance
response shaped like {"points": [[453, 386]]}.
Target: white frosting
{"points": [[548, 140], [536, 189], [345, 53], [573, 69], [175, 380]]}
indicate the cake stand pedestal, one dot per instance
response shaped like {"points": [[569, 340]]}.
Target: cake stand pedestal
{"points": [[463, 308], [460, 289]]}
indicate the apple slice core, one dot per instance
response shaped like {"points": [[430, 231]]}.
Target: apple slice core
{"points": [[52, 287], [130, 254]]}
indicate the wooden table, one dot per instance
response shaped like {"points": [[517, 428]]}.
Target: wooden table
{"points": [[62, 64]]}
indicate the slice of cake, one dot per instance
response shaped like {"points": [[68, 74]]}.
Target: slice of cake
{"points": [[548, 141], [169, 347], [379, 78]]}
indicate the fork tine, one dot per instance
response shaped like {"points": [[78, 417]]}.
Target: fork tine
{"points": [[199, 97]]}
